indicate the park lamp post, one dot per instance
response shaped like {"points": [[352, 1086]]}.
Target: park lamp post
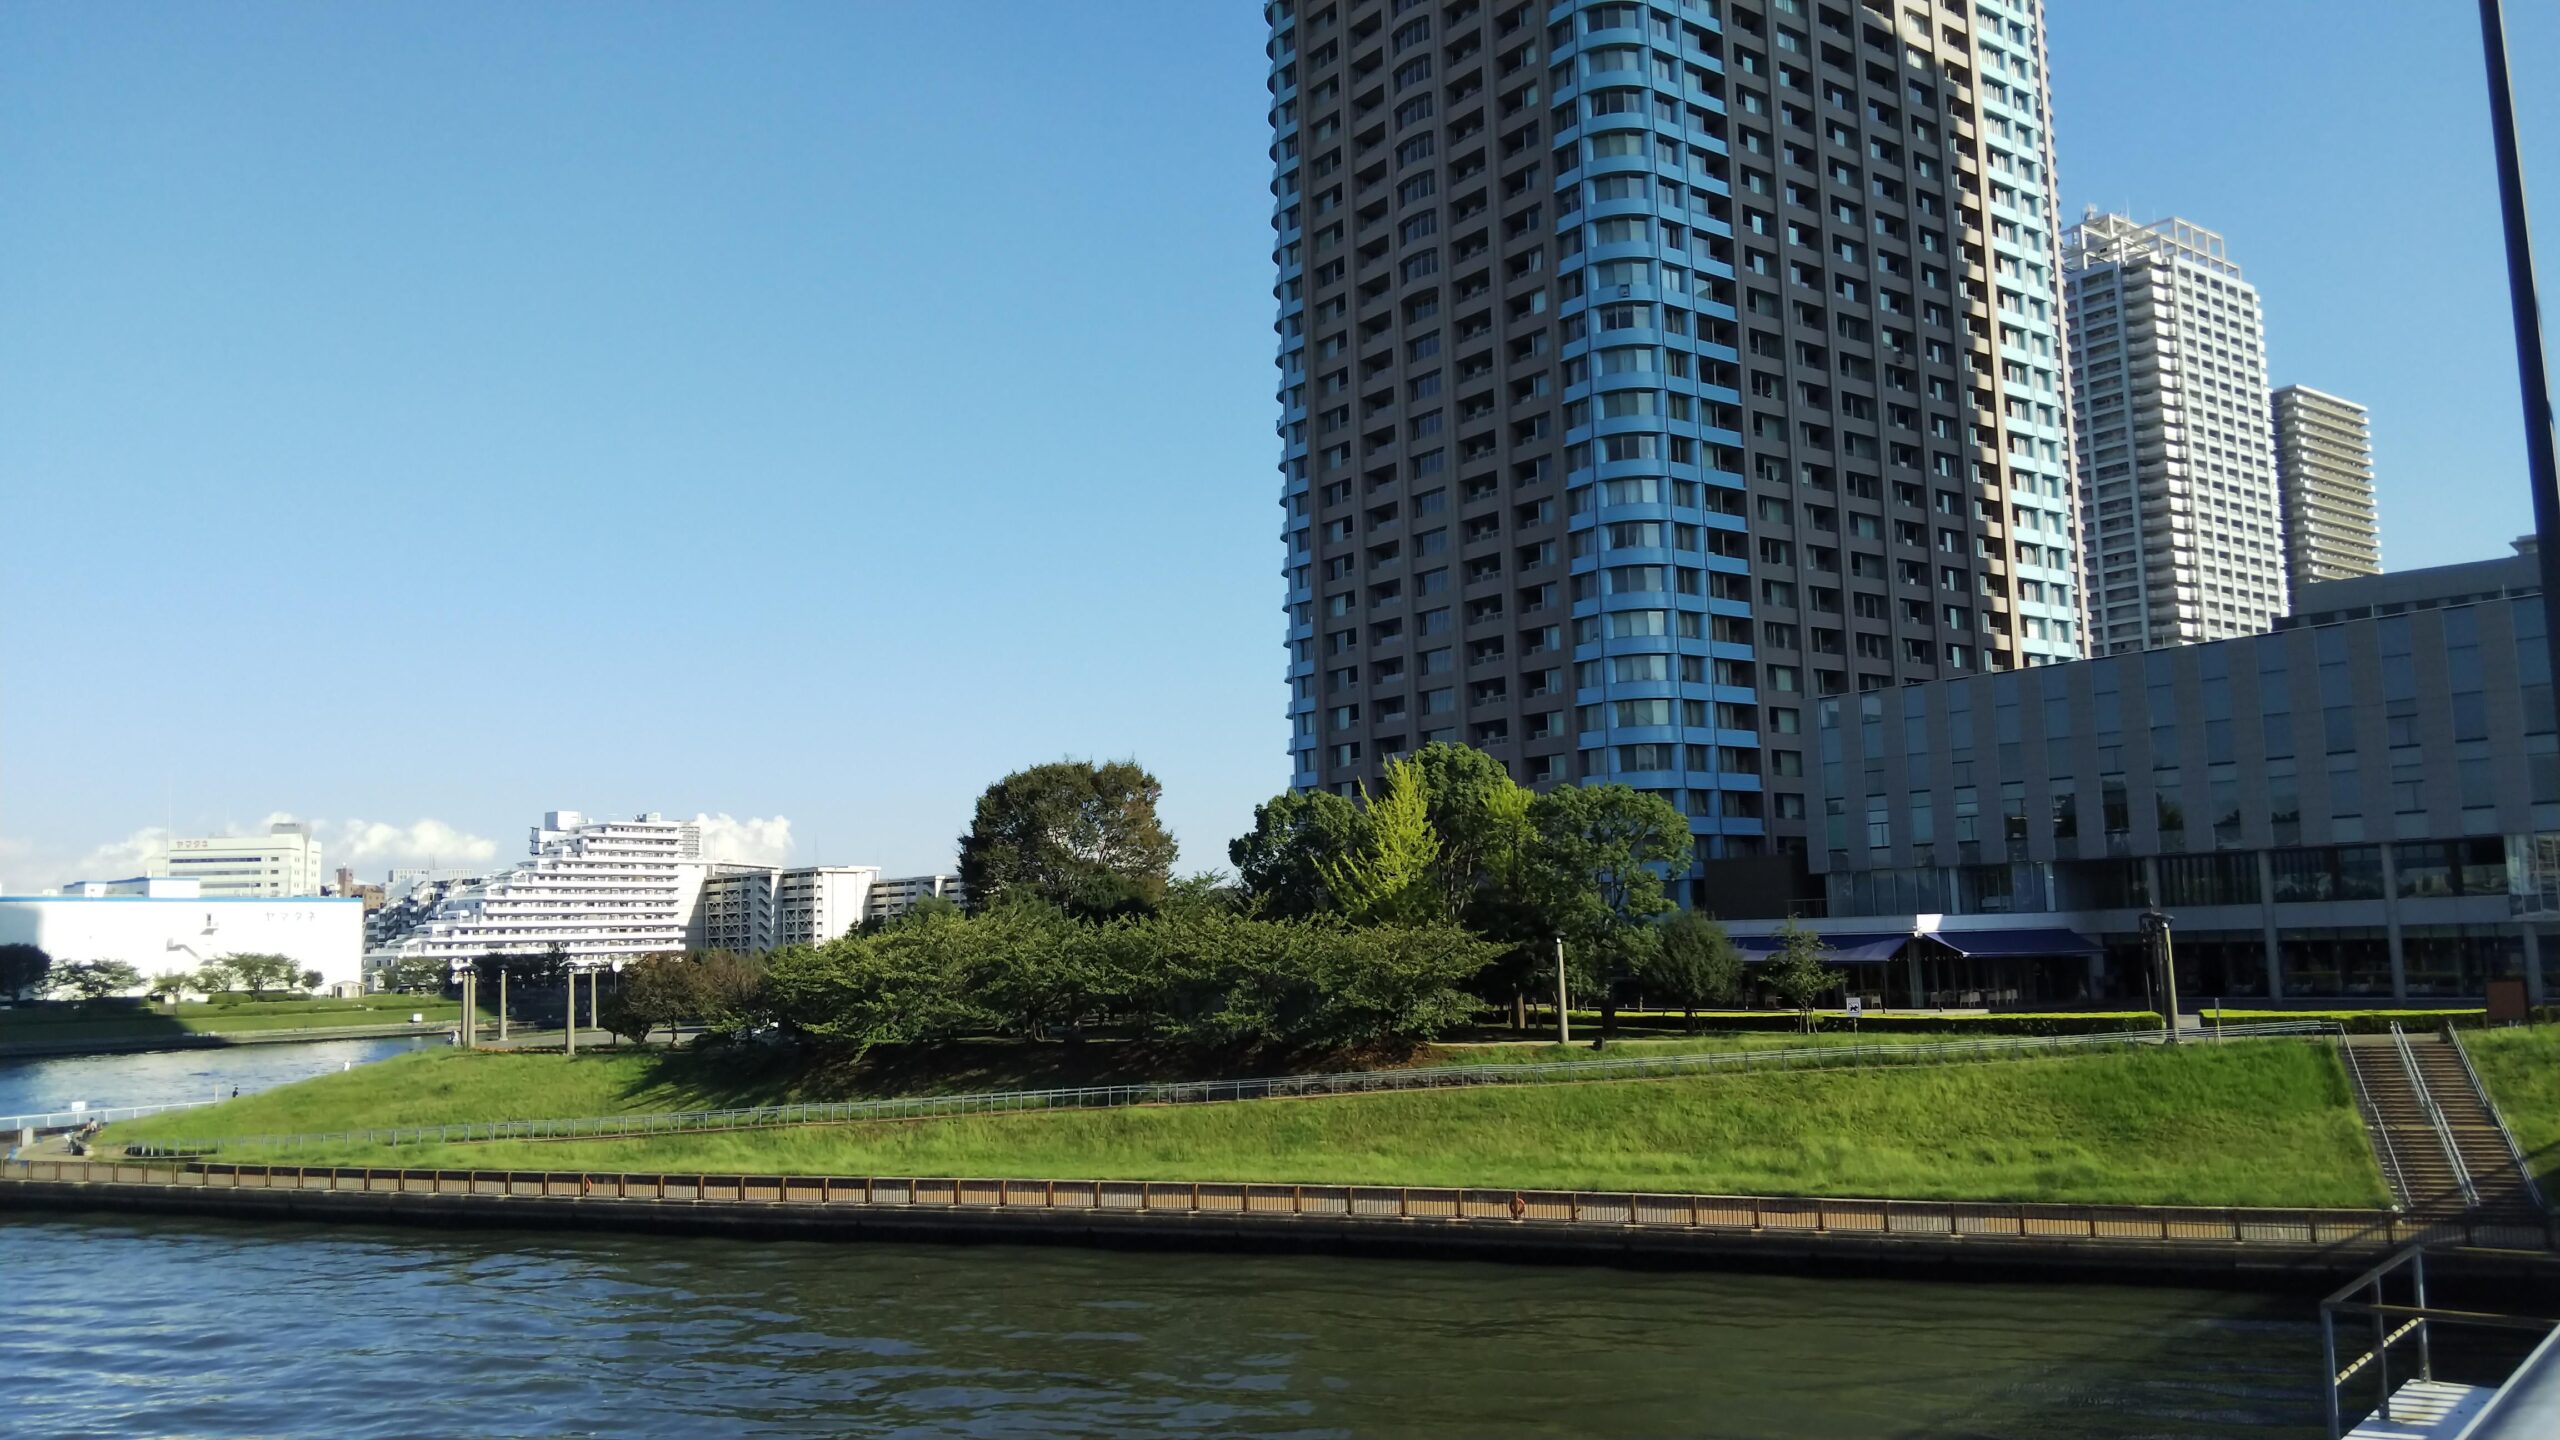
{"points": [[2163, 960]]}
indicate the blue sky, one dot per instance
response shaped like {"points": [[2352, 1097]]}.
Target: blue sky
{"points": [[419, 417]]}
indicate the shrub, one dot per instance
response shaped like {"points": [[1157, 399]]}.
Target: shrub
{"points": [[2357, 1022], [2025, 1022]]}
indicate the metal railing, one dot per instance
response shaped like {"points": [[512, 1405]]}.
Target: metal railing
{"points": [[2327, 1230], [651, 1124], [2435, 1117], [2497, 1120], [2367, 1297], [10, 1125], [2374, 1123]]}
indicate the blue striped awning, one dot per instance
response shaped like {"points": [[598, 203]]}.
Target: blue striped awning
{"points": [[2030, 944], [1845, 949]]}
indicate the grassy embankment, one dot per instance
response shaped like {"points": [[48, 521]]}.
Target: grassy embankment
{"points": [[2262, 1123], [136, 1020], [2521, 1068]]}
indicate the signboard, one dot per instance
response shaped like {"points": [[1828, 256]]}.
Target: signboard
{"points": [[2507, 1002], [1857, 1006]]}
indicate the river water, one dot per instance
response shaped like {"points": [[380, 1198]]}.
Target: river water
{"points": [[166, 1077], [123, 1326]]}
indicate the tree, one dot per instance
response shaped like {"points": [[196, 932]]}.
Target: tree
{"points": [[414, 973], [1796, 972], [24, 970], [1693, 964], [1480, 814], [90, 981], [1595, 862], [261, 972], [1387, 877], [651, 993], [1279, 864], [1081, 836], [313, 979], [213, 977], [167, 986]]}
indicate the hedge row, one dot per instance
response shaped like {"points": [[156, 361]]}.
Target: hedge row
{"points": [[2102, 1022], [2357, 1022]]}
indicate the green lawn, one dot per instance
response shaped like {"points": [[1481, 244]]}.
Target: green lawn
{"points": [[2521, 1068], [2257, 1123], [439, 1087]]}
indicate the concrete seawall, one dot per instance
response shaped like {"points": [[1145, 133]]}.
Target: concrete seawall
{"points": [[2187, 1244], [214, 1040]]}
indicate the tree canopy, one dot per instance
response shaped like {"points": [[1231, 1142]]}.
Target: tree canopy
{"points": [[1693, 965], [1796, 973], [1080, 836], [24, 969]]}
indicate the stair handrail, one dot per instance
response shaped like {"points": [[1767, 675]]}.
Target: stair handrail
{"points": [[2435, 1117], [2374, 1121], [2497, 1120]]}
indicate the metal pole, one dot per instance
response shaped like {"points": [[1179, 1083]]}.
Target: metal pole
{"points": [[2533, 376], [2169, 977], [2329, 1363], [1564, 1025]]}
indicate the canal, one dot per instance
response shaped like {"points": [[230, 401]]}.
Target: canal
{"points": [[165, 1077], [126, 1326]]}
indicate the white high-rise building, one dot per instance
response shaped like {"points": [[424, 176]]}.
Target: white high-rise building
{"points": [[593, 889], [2177, 474], [284, 861], [2324, 466], [754, 908]]}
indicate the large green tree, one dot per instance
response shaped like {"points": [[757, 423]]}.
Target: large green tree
{"points": [[1081, 836], [1280, 862], [1597, 856], [93, 980], [1694, 964], [1481, 816], [24, 969], [1387, 876], [261, 972]]}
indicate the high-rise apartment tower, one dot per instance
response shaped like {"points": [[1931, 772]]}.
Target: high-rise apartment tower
{"points": [[1647, 370], [2324, 472], [2177, 470]]}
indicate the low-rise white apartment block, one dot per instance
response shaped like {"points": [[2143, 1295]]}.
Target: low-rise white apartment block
{"points": [[754, 908], [284, 861], [892, 898]]}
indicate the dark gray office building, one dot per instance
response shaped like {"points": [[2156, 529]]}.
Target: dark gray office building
{"points": [[1650, 372], [2363, 804]]}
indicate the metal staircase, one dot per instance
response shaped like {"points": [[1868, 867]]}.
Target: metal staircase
{"points": [[2435, 1132]]}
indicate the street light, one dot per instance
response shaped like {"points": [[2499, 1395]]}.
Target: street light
{"points": [[2163, 959], [469, 1031], [2533, 377]]}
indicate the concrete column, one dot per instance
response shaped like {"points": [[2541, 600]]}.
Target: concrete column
{"points": [[502, 1007], [2391, 922], [2533, 965], [2267, 912]]}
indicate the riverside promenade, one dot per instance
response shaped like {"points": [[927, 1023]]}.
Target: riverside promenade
{"points": [[2187, 1242]]}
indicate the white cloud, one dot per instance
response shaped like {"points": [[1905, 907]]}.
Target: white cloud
{"points": [[118, 859], [376, 844], [751, 841]]}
